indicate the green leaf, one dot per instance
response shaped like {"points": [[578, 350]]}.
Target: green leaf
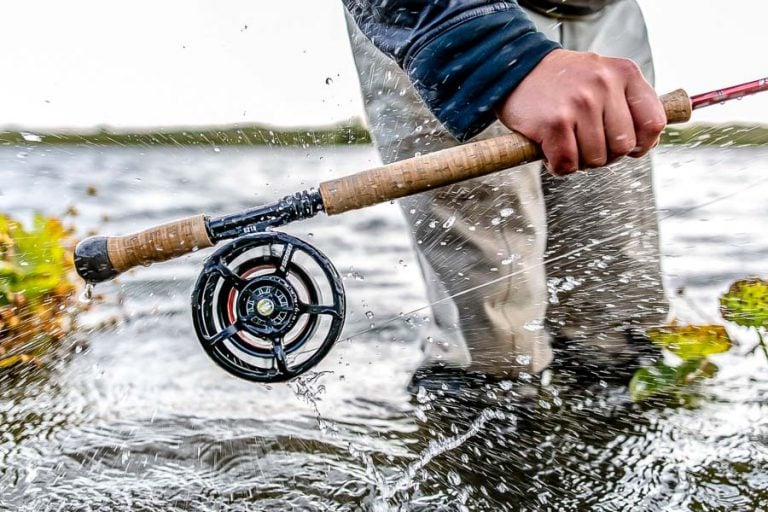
{"points": [[35, 262], [691, 342], [664, 380], [650, 382], [746, 303]]}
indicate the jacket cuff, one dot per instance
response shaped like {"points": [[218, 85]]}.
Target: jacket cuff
{"points": [[464, 73]]}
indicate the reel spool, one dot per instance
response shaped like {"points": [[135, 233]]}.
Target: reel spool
{"points": [[267, 307]]}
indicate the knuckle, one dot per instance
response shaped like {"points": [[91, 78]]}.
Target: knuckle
{"points": [[584, 101], [656, 124], [602, 78], [560, 122], [628, 67], [623, 145]]}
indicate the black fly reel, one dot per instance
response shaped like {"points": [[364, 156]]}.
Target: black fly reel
{"points": [[268, 306]]}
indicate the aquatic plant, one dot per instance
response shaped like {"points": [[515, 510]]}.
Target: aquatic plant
{"points": [[691, 344], [37, 290], [744, 304]]}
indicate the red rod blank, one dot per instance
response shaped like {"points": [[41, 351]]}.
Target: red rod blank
{"points": [[729, 93]]}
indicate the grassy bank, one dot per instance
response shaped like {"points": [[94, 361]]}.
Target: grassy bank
{"points": [[716, 135], [691, 135], [219, 136]]}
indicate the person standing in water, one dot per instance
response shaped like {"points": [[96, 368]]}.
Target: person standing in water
{"points": [[581, 253]]}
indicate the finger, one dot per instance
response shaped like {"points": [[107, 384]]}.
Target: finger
{"points": [[648, 116], [590, 135], [619, 129], [561, 152]]}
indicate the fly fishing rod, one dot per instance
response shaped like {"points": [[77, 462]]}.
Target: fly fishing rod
{"points": [[268, 306]]}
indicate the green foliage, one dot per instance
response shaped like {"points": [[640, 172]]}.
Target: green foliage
{"points": [[224, 136], [746, 303], [665, 380], [36, 286], [690, 342], [697, 134]]}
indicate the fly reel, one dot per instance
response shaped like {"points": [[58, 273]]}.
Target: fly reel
{"points": [[268, 306]]}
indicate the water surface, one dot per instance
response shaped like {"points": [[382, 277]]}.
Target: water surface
{"points": [[142, 420]]}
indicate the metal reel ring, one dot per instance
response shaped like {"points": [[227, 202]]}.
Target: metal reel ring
{"points": [[268, 307]]}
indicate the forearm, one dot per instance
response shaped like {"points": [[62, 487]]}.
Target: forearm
{"points": [[463, 57]]}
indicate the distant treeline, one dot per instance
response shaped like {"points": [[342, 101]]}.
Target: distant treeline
{"points": [[692, 135], [716, 135], [235, 135]]}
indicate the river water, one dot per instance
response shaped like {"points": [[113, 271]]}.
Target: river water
{"points": [[137, 418]]}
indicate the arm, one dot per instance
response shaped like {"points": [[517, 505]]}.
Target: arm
{"points": [[475, 61], [462, 56]]}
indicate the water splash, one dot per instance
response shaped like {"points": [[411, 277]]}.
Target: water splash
{"points": [[87, 296]]}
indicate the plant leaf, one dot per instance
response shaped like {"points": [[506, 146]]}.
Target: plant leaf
{"points": [[662, 379], [691, 342], [746, 303], [653, 381]]}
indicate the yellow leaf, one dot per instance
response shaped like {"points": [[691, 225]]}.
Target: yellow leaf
{"points": [[691, 341]]}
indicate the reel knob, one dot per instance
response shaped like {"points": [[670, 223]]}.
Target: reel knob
{"points": [[268, 307]]}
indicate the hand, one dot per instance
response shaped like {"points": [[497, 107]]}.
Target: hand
{"points": [[585, 110]]}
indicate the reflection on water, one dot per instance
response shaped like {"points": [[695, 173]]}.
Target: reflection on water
{"points": [[141, 420]]}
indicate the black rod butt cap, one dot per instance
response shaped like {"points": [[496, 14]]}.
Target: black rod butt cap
{"points": [[92, 260]]}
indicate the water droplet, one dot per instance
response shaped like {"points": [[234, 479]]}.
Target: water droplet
{"points": [[523, 359], [329, 81], [450, 222], [87, 296], [496, 221], [534, 325], [369, 315], [506, 212], [433, 224]]}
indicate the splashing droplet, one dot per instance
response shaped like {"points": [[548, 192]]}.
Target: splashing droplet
{"points": [[87, 296]]}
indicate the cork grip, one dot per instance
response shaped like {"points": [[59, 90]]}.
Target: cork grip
{"points": [[159, 243], [441, 168]]}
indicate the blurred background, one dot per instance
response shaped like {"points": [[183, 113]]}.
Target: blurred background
{"points": [[85, 63]]}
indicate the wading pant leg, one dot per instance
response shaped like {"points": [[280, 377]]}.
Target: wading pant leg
{"points": [[484, 239], [614, 285]]}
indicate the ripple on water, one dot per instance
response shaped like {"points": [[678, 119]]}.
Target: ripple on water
{"points": [[143, 421]]}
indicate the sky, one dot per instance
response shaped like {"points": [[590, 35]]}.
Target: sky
{"points": [[147, 63]]}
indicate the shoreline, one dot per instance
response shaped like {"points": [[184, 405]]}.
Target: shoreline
{"points": [[692, 135]]}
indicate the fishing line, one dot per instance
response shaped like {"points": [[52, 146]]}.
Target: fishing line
{"points": [[574, 252]]}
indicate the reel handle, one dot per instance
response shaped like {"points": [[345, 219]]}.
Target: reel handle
{"points": [[446, 167], [100, 258]]}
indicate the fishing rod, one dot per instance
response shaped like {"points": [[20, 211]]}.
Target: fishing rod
{"points": [[268, 306]]}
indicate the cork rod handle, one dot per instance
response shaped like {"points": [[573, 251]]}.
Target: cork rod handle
{"points": [[450, 166], [100, 258]]}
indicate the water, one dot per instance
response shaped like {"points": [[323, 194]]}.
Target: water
{"points": [[142, 420]]}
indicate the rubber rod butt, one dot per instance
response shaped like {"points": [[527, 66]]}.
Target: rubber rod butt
{"points": [[92, 260]]}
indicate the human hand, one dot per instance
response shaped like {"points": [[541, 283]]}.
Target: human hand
{"points": [[585, 110]]}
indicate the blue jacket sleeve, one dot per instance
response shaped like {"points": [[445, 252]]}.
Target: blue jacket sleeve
{"points": [[463, 56]]}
